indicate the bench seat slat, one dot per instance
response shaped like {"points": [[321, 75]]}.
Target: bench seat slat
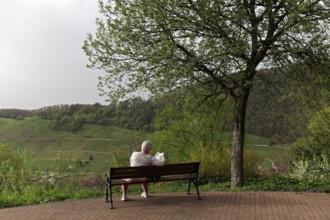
{"points": [[149, 171], [162, 179], [149, 174]]}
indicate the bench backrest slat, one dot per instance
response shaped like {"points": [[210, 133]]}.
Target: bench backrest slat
{"points": [[150, 171]]}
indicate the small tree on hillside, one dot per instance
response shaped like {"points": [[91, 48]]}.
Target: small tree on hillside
{"points": [[161, 45]]}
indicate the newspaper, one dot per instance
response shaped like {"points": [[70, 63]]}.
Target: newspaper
{"points": [[159, 156]]}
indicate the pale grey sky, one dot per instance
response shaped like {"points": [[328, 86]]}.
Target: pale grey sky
{"points": [[41, 60]]}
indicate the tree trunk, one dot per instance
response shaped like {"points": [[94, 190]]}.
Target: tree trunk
{"points": [[237, 178]]}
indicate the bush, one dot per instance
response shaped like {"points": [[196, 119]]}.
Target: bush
{"points": [[15, 170], [311, 169], [216, 163], [317, 139], [319, 132]]}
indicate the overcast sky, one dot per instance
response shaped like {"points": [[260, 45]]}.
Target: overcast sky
{"points": [[41, 60]]}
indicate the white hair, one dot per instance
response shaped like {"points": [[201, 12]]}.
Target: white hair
{"points": [[146, 145]]}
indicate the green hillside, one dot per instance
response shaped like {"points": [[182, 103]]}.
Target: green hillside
{"points": [[92, 148], [50, 147]]}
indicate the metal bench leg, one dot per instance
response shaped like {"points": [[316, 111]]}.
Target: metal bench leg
{"points": [[196, 185], [189, 183], [111, 202], [107, 192]]}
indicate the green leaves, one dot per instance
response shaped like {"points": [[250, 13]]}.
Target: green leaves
{"points": [[319, 132], [15, 170], [316, 168]]}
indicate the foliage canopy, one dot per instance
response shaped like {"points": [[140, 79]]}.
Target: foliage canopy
{"points": [[161, 45]]}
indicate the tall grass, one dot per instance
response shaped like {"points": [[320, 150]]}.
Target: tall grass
{"points": [[20, 185], [42, 193]]}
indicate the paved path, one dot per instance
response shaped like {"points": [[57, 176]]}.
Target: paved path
{"points": [[215, 205]]}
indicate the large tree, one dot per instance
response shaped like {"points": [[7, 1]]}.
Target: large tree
{"points": [[161, 45]]}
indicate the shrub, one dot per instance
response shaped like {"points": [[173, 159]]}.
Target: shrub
{"points": [[319, 132], [15, 170], [216, 163], [317, 139], [311, 169]]}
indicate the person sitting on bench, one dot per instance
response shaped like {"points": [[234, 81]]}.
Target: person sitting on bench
{"points": [[142, 158]]}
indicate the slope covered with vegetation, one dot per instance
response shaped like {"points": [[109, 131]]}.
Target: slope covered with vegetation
{"points": [[93, 145]]}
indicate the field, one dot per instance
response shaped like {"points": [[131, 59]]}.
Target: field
{"points": [[93, 148], [51, 148]]}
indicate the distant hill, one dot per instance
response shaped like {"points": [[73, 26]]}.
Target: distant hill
{"points": [[50, 147], [91, 149], [273, 112]]}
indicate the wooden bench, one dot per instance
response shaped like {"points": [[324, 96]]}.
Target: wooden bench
{"points": [[169, 172]]}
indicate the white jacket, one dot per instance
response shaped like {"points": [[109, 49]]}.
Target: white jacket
{"points": [[141, 159]]}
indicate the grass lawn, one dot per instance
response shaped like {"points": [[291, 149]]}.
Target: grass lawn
{"points": [[268, 154]]}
